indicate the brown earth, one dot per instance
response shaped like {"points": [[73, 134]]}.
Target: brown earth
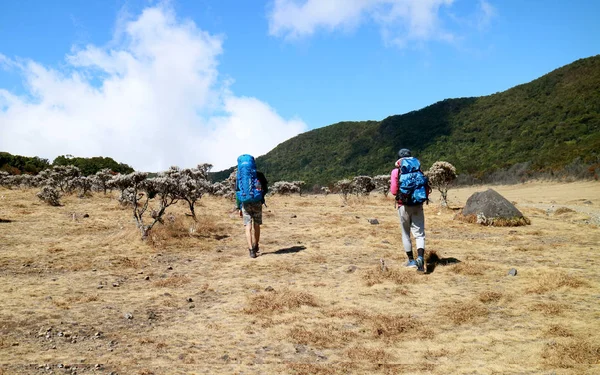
{"points": [[88, 293]]}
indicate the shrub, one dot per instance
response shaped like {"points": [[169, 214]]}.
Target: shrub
{"points": [[343, 187], [441, 175], [190, 184], [286, 188], [61, 177], [102, 179], [362, 185], [84, 184], [382, 183], [50, 195]]}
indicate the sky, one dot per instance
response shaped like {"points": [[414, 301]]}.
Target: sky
{"points": [[183, 82]]}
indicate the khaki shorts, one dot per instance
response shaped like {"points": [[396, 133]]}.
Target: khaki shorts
{"points": [[252, 211]]}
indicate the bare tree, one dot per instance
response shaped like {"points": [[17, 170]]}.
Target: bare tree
{"points": [[441, 175]]}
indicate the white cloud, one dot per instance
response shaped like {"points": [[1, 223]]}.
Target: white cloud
{"points": [[401, 21], [152, 99]]}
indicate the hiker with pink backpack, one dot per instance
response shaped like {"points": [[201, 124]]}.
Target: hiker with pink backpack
{"points": [[411, 188], [251, 188]]}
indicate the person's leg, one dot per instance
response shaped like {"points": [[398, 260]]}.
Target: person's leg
{"points": [[256, 236], [246, 214], [248, 228], [405, 228], [418, 230], [257, 219]]}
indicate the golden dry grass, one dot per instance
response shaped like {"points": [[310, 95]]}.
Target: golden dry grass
{"points": [[88, 291], [578, 353]]}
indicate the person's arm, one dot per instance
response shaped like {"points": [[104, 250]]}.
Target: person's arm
{"points": [[394, 182]]}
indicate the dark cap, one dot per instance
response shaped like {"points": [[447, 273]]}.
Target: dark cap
{"points": [[404, 153]]}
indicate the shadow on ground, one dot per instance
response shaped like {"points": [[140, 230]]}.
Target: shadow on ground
{"points": [[434, 260], [287, 250]]}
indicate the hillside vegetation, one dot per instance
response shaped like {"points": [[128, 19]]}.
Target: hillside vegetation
{"points": [[546, 124], [17, 164]]}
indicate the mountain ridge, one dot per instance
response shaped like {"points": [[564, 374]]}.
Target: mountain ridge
{"points": [[546, 123]]}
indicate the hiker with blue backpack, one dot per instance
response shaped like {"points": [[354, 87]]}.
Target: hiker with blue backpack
{"points": [[251, 188], [411, 188]]}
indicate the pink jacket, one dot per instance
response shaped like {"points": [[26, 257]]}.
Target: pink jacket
{"points": [[394, 181], [394, 178]]}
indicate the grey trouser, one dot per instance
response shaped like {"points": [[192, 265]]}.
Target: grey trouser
{"points": [[412, 220]]}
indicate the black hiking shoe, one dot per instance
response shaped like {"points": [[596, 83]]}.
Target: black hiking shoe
{"points": [[420, 264], [252, 253]]}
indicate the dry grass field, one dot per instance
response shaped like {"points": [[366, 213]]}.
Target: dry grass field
{"points": [[85, 295]]}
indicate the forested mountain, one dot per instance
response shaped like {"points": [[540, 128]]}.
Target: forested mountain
{"points": [[547, 123]]}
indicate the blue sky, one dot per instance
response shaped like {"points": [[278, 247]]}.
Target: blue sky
{"points": [[154, 84]]}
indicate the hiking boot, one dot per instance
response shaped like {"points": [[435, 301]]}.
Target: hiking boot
{"points": [[252, 253], [420, 264], [411, 264]]}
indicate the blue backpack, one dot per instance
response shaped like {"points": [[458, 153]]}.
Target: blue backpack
{"points": [[413, 183], [249, 188]]}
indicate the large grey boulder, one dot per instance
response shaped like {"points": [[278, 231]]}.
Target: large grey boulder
{"points": [[490, 208]]}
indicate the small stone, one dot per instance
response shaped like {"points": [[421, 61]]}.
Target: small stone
{"points": [[116, 285], [373, 221], [147, 278], [152, 315], [94, 270], [169, 268], [192, 306], [128, 316], [293, 217], [100, 286], [225, 357], [190, 299], [86, 215], [60, 334], [98, 334], [60, 365], [351, 269], [512, 272], [15, 344], [269, 289]]}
